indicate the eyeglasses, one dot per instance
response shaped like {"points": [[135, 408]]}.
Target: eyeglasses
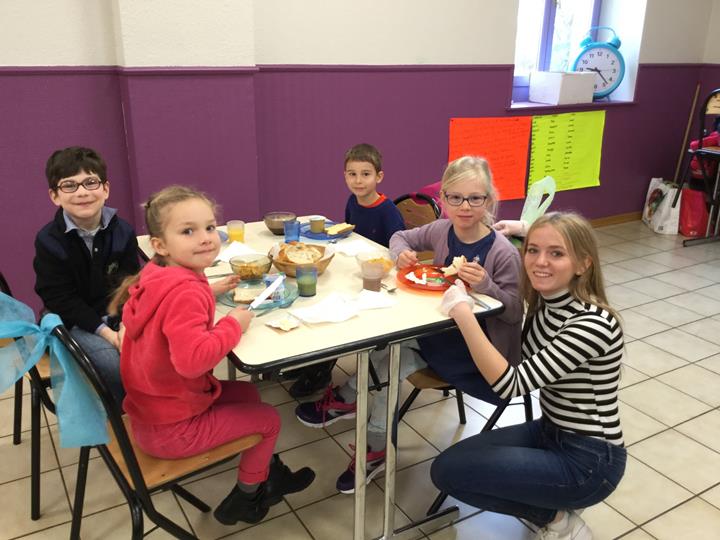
{"points": [[91, 183], [455, 199]]}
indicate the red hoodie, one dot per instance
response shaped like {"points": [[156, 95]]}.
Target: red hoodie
{"points": [[171, 345]]}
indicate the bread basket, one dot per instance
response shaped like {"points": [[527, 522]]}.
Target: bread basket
{"points": [[328, 252]]}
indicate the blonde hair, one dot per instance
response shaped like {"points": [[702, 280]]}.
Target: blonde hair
{"points": [[156, 210], [473, 168], [580, 241]]}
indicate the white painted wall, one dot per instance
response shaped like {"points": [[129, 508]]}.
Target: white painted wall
{"points": [[56, 33], [246, 32], [385, 31], [712, 40], [626, 19], [185, 32], [675, 31]]}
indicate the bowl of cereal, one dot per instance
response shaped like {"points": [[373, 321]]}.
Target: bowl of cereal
{"points": [[251, 266]]}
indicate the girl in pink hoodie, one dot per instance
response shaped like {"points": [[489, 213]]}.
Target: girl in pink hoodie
{"points": [[176, 406]]}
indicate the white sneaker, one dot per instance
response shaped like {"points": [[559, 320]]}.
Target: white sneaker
{"points": [[576, 529]]}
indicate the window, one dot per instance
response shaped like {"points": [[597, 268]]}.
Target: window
{"points": [[549, 33]]}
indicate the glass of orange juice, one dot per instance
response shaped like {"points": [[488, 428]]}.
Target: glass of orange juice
{"points": [[236, 230]]}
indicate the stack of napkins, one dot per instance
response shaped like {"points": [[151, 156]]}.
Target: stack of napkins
{"points": [[339, 307], [234, 249], [351, 248]]}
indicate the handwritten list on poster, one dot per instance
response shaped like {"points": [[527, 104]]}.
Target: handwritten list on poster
{"points": [[567, 147], [502, 141]]}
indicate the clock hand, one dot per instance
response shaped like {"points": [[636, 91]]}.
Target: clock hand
{"points": [[596, 70]]}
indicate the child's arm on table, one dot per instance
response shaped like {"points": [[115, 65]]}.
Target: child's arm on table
{"points": [[503, 285], [228, 283], [195, 348], [404, 245]]}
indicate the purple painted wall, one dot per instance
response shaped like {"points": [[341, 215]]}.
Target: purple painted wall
{"points": [[274, 138], [193, 127], [41, 111]]}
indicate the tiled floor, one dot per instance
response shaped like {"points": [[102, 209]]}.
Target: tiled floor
{"points": [[669, 297]]}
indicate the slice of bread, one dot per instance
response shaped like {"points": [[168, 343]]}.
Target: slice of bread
{"points": [[245, 295], [339, 228], [452, 270]]}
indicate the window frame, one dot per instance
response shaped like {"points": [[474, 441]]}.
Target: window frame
{"points": [[546, 39]]}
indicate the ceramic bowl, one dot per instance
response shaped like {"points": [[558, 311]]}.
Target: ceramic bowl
{"points": [[274, 221]]}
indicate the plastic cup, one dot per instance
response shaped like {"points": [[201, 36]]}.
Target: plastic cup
{"points": [[372, 274], [317, 224], [236, 231], [292, 230], [306, 277]]}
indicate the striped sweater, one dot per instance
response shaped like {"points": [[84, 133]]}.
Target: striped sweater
{"points": [[572, 351]]}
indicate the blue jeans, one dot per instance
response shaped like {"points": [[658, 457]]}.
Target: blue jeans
{"points": [[106, 359], [530, 470]]}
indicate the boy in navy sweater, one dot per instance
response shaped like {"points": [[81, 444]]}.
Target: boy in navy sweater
{"points": [[83, 255], [375, 217]]}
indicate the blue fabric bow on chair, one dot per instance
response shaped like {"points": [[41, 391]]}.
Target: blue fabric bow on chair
{"points": [[81, 416]]}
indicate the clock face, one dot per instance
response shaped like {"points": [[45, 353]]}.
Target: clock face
{"points": [[606, 63]]}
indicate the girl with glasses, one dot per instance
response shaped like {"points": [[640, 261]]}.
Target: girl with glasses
{"points": [[492, 267]]}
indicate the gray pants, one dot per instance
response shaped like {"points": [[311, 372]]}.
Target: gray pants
{"points": [[410, 362], [105, 358]]}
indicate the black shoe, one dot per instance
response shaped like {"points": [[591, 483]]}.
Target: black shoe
{"points": [[241, 506], [282, 481], [312, 379]]}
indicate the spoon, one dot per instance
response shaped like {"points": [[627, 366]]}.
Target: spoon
{"points": [[388, 288]]}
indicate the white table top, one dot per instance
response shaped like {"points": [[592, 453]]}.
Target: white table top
{"points": [[262, 347]]}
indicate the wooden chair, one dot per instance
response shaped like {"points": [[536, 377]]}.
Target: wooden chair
{"points": [[38, 395], [426, 379], [418, 209], [138, 474]]}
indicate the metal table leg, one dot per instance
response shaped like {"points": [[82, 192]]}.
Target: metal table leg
{"points": [[391, 440], [363, 360]]}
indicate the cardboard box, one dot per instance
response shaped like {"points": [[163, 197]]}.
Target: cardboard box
{"points": [[561, 88]]}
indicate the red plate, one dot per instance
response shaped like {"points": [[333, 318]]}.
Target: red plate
{"points": [[436, 280]]}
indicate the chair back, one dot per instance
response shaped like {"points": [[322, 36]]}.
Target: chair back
{"points": [[417, 209], [710, 108], [4, 287], [117, 426]]}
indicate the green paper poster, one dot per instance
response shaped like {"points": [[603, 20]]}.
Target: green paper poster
{"points": [[568, 148]]}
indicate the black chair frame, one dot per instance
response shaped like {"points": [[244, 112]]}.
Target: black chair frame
{"points": [[138, 498], [705, 156], [38, 395], [494, 417], [421, 196]]}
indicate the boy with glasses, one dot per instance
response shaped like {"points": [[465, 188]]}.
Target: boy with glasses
{"points": [[83, 255]]}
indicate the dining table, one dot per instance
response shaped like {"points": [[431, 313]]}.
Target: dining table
{"points": [[409, 313]]}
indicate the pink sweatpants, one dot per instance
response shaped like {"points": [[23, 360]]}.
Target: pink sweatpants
{"points": [[236, 413]]}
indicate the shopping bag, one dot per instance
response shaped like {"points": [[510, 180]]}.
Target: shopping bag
{"points": [[535, 206], [658, 213], [693, 213]]}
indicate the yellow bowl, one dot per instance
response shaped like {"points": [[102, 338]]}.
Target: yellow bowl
{"points": [[250, 267], [328, 252], [274, 221]]}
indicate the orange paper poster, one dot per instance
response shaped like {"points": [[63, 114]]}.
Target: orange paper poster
{"points": [[502, 141]]}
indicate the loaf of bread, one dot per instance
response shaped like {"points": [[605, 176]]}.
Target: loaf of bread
{"points": [[452, 270], [299, 253], [339, 228]]}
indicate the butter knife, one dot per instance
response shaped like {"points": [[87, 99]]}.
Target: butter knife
{"points": [[266, 293]]}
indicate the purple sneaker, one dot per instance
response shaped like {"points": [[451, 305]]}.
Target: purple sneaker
{"points": [[375, 465], [326, 411]]}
